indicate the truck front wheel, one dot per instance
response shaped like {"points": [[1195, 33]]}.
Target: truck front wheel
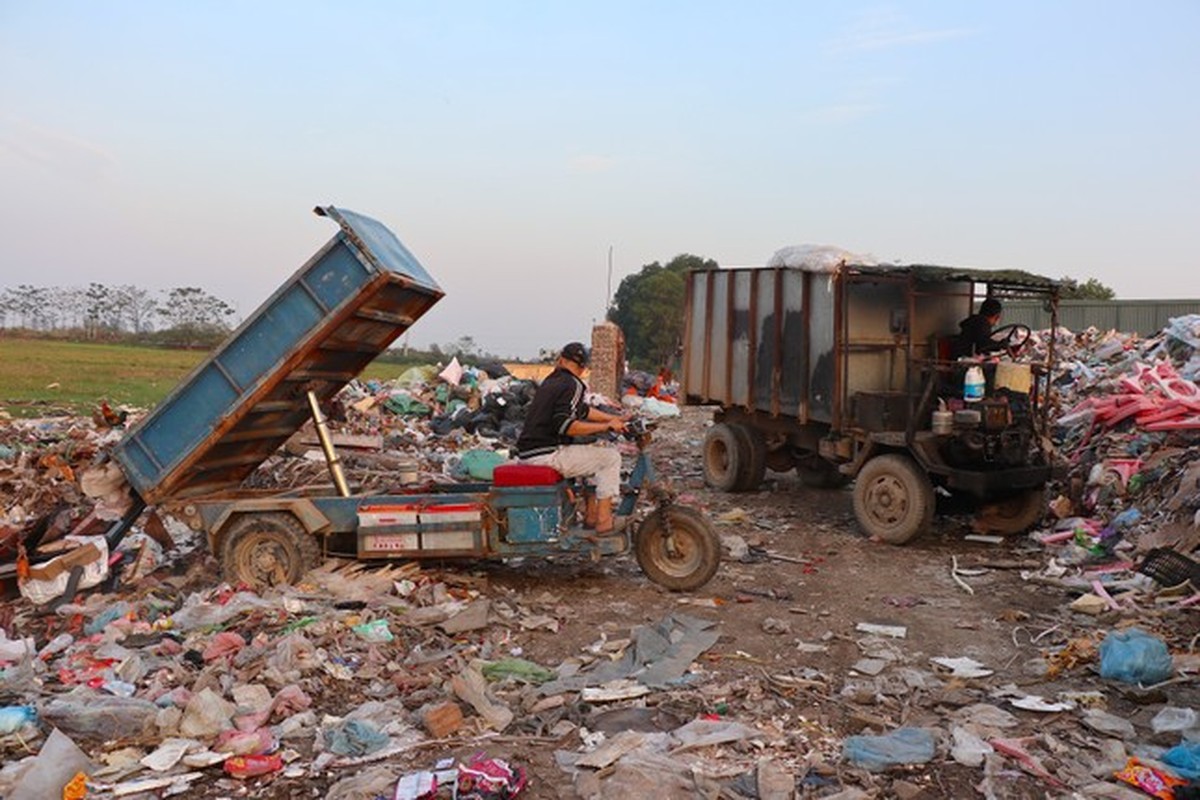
{"points": [[893, 498], [264, 550]]}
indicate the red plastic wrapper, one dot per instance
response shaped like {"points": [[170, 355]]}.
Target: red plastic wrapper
{"points": [[253, 766], [1149, 780]]}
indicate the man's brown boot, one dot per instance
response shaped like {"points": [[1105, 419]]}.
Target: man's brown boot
{"points": [[605, 521], [591, 512]]}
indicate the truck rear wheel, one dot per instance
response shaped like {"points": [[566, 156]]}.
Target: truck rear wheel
{"points": [[269, 549], [752, 455], [723, 458], [893, 498], [678, 549]]}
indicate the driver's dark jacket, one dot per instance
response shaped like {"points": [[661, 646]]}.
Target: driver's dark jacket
{"points": [[558, 402], [974, 338]]}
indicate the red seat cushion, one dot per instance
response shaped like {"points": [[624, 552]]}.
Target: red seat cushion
{"points": [[525, 475]]}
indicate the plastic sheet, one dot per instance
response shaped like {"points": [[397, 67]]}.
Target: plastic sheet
{"points": [[59, 760], [901, 746], [1171, 719]]}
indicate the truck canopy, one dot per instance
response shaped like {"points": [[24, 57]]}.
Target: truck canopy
{"points": [[316, 333], [1000, 280]]}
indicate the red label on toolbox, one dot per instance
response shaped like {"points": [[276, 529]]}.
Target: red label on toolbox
{"points": [[378, 515], [459, 512]]}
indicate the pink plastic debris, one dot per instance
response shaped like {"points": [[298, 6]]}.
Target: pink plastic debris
{"points": [[1015, 748], [225, 643]]}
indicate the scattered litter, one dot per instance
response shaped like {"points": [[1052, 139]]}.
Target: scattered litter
{"points": [[901, 746], [963, 667], [894, 631]]}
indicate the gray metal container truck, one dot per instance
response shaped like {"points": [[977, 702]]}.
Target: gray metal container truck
{"points": [[845, 374]]}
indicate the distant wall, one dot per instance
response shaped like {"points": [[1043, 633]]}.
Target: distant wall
{"points": [[1143, 317], [529, 372]]}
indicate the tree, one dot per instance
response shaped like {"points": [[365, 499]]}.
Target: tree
{"points": [[97, 308], [135, 306], [192, 307], [1091, 289], [465, 346], [649, 308]]}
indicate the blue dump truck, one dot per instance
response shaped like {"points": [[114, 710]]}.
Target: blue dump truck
{"points": [[314, 335]]}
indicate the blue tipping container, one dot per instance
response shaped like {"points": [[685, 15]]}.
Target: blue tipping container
{"points": [[317, 332]]}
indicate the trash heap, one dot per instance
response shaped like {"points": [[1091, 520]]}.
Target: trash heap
{"points": [[176, 686], [1128, 428]]}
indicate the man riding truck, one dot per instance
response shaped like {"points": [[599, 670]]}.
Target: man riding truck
{"points": [[556, 417], [975, 332]]}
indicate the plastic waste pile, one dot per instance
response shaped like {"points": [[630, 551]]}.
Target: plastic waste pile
{"points": [[1128, 428]]}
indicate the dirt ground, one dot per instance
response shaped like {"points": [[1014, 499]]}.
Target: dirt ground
{"points": [[785, 661], [847, 580], [787, 616]]}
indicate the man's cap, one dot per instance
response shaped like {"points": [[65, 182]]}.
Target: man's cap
{"points": [[990, 306], [575, 351]]}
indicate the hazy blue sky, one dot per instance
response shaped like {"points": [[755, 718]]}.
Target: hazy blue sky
{"points": [[511, 144]]}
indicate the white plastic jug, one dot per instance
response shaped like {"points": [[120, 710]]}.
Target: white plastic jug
{"points": [[973, 384]]}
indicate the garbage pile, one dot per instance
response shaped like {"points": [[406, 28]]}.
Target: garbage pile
{"points": [[1129, 429], [176, 686]]}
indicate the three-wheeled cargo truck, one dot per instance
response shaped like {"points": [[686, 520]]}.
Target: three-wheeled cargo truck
{"points": [[315, 334], [846, 373]]}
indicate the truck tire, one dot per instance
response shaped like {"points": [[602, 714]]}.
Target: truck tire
{"points": [[678, 549], [1013, 515], [893, 498], [723, 458], [753, 456], [268, 549]]}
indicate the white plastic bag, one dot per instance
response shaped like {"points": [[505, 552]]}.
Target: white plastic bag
{"points": [[48, 580]]}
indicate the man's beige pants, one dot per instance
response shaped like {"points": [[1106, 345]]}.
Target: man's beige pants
{"points": [[580, 460]]}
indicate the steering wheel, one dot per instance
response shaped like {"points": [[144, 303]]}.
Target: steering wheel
{"points": [[1013, 337]]}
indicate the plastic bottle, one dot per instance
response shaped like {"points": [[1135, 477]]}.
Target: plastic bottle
{"points": [[973, 384], [943, 419]]}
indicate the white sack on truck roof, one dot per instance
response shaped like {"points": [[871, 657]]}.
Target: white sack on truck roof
{"points": [[817, 257]]}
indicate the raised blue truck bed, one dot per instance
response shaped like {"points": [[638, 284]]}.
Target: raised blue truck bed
{"points": [[318, 331]]}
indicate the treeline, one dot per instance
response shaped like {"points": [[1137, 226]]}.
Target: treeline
{"points": [[185, 316]]}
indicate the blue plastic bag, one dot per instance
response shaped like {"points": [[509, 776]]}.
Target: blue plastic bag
{"points": [[901, 746], [1134, 656], [1184, 760]]}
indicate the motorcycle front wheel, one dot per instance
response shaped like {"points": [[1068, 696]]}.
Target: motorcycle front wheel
{"points": [[678, 549]]}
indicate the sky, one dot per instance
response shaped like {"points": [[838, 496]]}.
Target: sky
{"points": [[519, 149]]}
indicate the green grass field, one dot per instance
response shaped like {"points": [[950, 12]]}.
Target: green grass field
{"points": [[40, 377]]}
